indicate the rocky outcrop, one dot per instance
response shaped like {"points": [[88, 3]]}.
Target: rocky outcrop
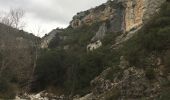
{"points": [[101, 33], [151, 7], [122, 15], [117, 16], [94, 45], [101, 13], [47, 38], [129, 83], [43, 95], [96, 40], [134, 10]]}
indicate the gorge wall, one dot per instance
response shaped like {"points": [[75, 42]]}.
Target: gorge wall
{"points": [[122, 15]]}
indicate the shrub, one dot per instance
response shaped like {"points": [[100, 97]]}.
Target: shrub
{"points": [[150, 73], [113, 94], [167, 62], [49, 70], [7, 90], [165, 94]]}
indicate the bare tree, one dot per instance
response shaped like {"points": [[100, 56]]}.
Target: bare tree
{"points": [[14, 18]]}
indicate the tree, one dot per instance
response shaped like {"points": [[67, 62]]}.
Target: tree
{"points": [[14, 18]]}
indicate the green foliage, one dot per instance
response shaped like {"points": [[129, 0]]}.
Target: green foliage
{"points": [[150, 74], [165, 94], [7, 90], [7, 77], [1, 58], [70, 70], [74, 68], [113, 94], [83, 69], [49, 70], [80, 36], [55, 42], [114, 72], [4, 85], [156, 39], [77, 66], [167, 62], [110, 38]]}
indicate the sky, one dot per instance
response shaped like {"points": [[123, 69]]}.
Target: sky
{"points": [[45, 15]]}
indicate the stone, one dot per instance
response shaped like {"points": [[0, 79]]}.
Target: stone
{"points": [[123, 63], [100, 33], [76, 23], [86, 97], [101, 84], [94, 46]]}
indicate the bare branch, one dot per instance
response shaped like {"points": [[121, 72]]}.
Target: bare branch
{"points": [[14, 18]]}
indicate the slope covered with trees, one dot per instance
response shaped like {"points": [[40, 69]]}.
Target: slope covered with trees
{"points": [[17, 56], [122, 67], [68, 65]]}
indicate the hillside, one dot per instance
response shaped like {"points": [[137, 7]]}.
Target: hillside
{"points": [[116, 51], [17, 56], [119, 50]]}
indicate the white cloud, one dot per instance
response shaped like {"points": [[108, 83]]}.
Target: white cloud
{"points": [[49, 14]]}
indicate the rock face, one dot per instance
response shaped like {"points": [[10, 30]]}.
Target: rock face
{"points": [[101, 33], [46, 39], [41, 96], [94, 46], [134, 10], [123, 15], [96, 40]]}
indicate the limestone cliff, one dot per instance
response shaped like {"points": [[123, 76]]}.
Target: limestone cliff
{"points": [[123, 15]]}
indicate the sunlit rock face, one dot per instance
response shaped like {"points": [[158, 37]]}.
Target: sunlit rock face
{"points": [[139, 11], [122, 15], [134, 10]]}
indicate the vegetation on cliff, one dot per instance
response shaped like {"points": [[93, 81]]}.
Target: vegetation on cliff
{"points": [[76, 65], [153, 40], [79, 67], [17, 51], [67, 66]]}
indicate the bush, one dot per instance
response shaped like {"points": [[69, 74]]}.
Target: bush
{"points": [[113, 94], [167, 62], [55, 42], [49, 70], [7, 90], [165, 94], [80, 36], [75, 63]]}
